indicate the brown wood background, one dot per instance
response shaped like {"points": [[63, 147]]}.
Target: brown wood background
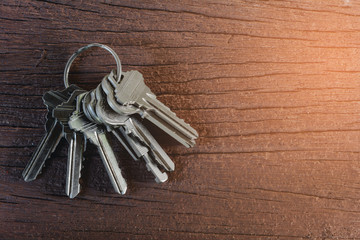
{"points": [[273, 88]]}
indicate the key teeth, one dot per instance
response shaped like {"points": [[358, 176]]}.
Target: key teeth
{"points": [[81, 168], [72, 194], [27, 179]]}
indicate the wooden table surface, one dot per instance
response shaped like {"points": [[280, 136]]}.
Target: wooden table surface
{"points": [[273, 88]]}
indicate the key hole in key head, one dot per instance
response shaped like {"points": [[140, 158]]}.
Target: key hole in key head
{"points": [[78, 52]]}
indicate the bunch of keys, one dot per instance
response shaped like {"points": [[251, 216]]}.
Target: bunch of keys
{"points": [[116, 106]]}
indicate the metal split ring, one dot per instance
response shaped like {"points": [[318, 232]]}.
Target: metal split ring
{"points": [[77, 53]]}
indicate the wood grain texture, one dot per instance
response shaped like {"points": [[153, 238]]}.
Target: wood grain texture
{"points": [[271, 86]]}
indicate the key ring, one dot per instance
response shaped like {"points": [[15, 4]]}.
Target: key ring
{"points": [[77, 53]]}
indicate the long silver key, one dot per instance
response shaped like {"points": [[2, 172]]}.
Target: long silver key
{"points": [[76, 144], [132, 137], [53, 133], [97, 135], [132, 91], [111, 119]]}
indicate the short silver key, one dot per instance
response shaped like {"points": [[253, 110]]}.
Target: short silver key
{"points": [[53, 133], [97, 135]]}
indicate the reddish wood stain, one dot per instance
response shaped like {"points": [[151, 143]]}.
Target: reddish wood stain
{"points": [[273, 88]]}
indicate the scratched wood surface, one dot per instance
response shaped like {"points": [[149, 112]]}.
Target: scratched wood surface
{"points": [[273, 88]]}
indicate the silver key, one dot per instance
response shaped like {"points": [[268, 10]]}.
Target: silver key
{"points": [[97, 135], [76, 144], [111, 119], [132, 91], [133, 146], [53, 133], [148, 140]]}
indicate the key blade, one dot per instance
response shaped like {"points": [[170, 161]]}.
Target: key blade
{"points": [[157, 151], [44, 150], [142, 151], [110, 162], [75, 158]]}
